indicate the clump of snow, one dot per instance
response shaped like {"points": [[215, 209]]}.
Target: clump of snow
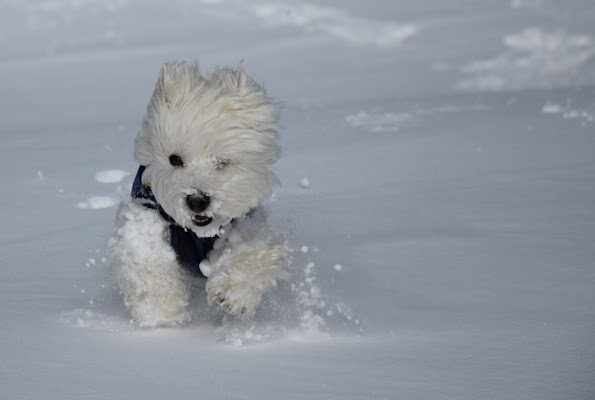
{"points": [[95, 202], [334, 22], [567, 112], [552, 109], [573, 114], [387, 122], [111, 176], [206, 267], [338, 267], [305, 183], [393, 122], [533, 59], [305, 249]]}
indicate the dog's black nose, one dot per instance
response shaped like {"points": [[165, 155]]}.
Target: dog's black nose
{"points": [[198, 202]]}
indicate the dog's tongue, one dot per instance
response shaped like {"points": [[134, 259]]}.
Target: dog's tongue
{"points": [[200, 218]]}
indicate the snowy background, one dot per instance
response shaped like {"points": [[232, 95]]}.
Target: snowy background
{"points": [[438, 187]]}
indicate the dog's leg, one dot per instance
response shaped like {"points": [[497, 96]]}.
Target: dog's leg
{"points": [[244, 270], [146, 268]]}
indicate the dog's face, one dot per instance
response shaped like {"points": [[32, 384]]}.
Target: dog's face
{"points": [[207, 144]]}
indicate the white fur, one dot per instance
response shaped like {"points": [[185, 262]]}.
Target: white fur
{"points": [[146, 268], [225, 119]]}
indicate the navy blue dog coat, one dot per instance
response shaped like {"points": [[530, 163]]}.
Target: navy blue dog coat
{"points": [[190, 249]]}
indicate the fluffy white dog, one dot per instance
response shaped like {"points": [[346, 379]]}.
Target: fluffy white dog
{"points": [[204, 150]]}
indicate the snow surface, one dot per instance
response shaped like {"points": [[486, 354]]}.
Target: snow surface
{"points": [[449, 216], [111, 176]]}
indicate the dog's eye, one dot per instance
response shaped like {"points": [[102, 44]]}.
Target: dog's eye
{"points": [[176, 160], [221, 163]]}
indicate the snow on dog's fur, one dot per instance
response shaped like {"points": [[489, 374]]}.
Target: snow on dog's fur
{"points": [[207, 144]]}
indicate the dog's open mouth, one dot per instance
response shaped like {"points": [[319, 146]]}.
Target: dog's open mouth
{"points": [[201, 220]]}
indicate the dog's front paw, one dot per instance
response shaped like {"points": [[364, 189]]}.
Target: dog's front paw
{"points": [[234, 294], [241, 277]]}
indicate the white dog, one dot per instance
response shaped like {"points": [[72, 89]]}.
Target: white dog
{"points": [[205, 148]]}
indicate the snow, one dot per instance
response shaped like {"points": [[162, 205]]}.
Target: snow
{"points": [[386, 122], [329, 21], [111, 176], [452, 149], [95, 202], [585, 117], [552, 109], [533, 58]]}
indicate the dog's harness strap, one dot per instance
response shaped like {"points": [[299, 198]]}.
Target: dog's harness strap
{"points": [[190, 249], [143, 193]]}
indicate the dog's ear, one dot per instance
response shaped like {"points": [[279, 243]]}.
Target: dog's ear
{"points": [[232, 79], [176, 77], [241, 78], [165, 87]]}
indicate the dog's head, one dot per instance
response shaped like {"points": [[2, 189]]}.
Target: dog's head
{"points": [[207, 144]]}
